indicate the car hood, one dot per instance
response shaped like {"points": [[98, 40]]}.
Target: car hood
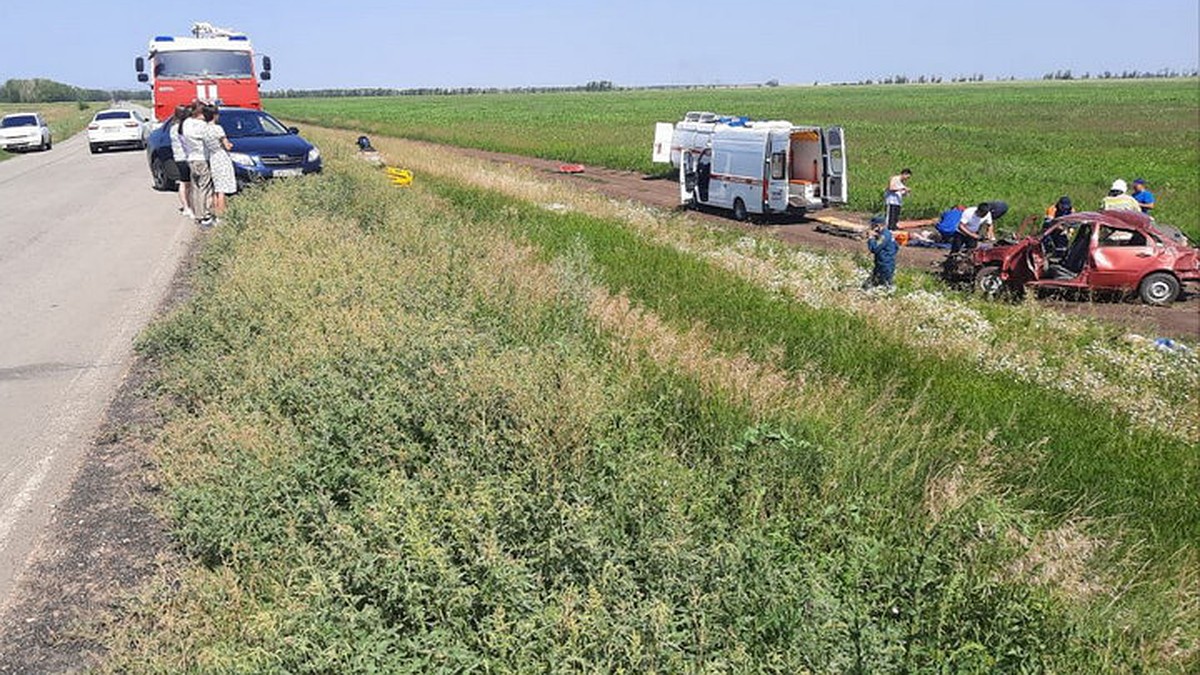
{"points": [[271, 145]]}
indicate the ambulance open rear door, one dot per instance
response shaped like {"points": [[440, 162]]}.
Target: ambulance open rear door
{"points": [[834, 178]]}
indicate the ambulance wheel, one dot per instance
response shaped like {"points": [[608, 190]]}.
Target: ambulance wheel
{"points": [[739, 210]]}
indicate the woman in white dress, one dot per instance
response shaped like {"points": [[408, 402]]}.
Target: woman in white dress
{"points": [[218, 146]]}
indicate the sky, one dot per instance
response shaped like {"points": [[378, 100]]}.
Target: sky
{"points": [[454, 43]]}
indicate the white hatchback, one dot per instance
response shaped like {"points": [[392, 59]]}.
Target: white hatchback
{"points": [[22, 131], [117, 128]]}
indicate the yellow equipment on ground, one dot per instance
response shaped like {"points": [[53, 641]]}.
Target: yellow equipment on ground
{"points": [[401, 177]]}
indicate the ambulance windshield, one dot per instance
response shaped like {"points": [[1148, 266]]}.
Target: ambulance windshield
{"points": [[200, 63]]}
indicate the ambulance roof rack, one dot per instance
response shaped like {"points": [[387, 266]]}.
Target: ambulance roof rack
{"points": [[204, 29], [716, 118]]}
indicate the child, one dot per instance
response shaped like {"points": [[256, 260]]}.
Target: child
{"points": [[884, 247]]}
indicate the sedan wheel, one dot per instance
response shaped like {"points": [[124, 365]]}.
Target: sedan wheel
{"points": [[158, 173], [1159, 288], [988, 282]]}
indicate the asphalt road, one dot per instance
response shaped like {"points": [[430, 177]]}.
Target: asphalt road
{"points": [[87, 252]]}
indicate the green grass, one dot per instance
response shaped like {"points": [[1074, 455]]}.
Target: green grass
{"points": [[1085, 456], [65, 119], [1025, 143], [397, 445]]}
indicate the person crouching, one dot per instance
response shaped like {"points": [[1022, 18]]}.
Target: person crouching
{"points": [[883, 246]]}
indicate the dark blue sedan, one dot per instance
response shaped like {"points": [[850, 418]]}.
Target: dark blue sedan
{"points": [[262, 148]]}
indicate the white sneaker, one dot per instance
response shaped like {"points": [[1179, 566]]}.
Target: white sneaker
{"points": [[186, 212]]}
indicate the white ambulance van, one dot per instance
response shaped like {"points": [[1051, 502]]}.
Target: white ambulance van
{"points": [[754, 167]]}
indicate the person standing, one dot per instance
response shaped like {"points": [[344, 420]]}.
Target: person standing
{"points": [[1144, 197], [893, 197], [183, 174], [1117, 200], [194, 129], [224, 182], [884, 248]]}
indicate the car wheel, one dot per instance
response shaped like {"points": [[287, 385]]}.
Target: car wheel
{"points": [[989, 282], [1159, 288], [739, 210], [158, 173]]}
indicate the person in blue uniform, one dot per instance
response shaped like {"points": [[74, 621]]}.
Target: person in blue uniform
{"points": [[1144, 197], [883, 246]]}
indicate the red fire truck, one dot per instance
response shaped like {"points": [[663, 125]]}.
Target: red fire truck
{"points": [[215, 65]]}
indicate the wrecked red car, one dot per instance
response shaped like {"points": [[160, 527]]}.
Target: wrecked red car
{"points": [[1112, 251]]}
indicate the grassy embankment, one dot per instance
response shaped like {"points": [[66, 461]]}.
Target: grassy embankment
{"points": [[65, 119], [1026, 143], [444, 427]]}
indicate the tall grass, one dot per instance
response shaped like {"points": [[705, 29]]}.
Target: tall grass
{"points": [[439, 429], [1026, 143]]}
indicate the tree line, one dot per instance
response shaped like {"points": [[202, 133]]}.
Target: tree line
{"points": [[1123, 75], [39, 90], [594, 85]]}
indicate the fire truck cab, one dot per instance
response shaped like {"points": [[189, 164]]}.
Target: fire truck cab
{"points": [[215, 65]]}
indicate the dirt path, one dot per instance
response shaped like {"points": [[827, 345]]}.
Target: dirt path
{"points": [[1181, 320]]}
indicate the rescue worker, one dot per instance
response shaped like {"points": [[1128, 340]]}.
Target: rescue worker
{"points": [[1118, 200], [884, 248], [1144, 197], [1055, 239], [974, 226]]}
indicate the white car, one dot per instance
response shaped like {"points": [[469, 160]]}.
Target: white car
{"points": [[22, 131], [117, 127]]}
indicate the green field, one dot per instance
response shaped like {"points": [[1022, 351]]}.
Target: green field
{"points": [[457, 428], [65, 119], [1026, 143]]}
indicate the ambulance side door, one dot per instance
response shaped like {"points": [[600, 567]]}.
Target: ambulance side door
{"points": [[775, 173], [835, 188]]}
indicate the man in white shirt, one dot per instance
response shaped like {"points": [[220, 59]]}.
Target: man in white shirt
{"points": [[193, 147], [893, 196], [974, 226]]}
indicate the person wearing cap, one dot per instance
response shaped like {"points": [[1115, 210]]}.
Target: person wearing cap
{"points": [[1058, 209], [1144, 197], [1056, 238], [1117, 200]]}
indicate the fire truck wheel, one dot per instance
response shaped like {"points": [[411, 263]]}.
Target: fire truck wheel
{"points": [[739, 210]]}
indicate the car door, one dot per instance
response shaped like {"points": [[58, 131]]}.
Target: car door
{"points": [[1122, 256]]}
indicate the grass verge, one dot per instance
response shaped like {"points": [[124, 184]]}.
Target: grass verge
{"points": [[439, 428]]}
